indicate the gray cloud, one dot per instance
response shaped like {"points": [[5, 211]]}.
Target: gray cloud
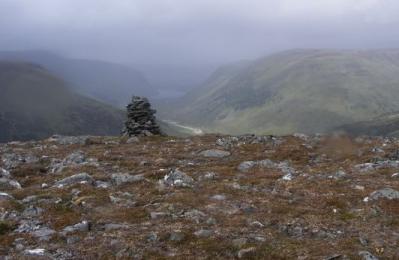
{"points": [[195, 31]]}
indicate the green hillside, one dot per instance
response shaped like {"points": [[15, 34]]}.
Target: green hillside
{"points": [[35, 104], [295, 91]]}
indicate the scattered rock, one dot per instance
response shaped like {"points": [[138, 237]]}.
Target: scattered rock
{"points": [[366, 167], [83, 226], [133, 139], [158, 215], [43, 233], [338, 175], [247, 252], [257, 224], [35, 252], [123, 199], [215, 153], [218, 197], [246, 166], [68, 140], [334, 257], [81, 178], [209, 176], [196, 215], [288, 177], [7, 184], [386, 193], [75, 159], [203, 233], [240, 242], [152, 237], [176, 236], [178, 178], [122, 178], [113, 226], [12, 160], [5, 196], [367, 255], [102, 184], [32, 211], [4, 173]]}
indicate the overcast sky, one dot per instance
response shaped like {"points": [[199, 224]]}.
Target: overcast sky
{"points": [[195, 31]]}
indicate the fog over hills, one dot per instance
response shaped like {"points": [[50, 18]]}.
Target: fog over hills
{"points": [[36, 104], [105, 81], [301, 90]]}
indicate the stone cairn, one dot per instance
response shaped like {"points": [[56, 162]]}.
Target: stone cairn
{"points": [[140, 118]]}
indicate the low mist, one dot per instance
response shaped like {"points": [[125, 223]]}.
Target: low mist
{"points": [[195, 33]]}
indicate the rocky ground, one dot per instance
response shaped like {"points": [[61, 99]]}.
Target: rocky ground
{"points": [[209, 197]]}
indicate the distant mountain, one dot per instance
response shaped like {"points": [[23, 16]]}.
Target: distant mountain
{"points": [[295, 91], [36, 104], [386, 125], [108, 82], [172, 80]]}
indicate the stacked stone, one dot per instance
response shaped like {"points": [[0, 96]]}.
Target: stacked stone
{"points": [[140, 118]]}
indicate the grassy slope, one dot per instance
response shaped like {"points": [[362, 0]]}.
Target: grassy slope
{"points": [[35, 104], [301, 90]]}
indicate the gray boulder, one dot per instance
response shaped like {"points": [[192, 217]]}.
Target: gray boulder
{"points": [[365, 255], [4, 173], [12, 160], [214, 153], [203, 233], [83, 226], [82, 178], [178, 178], [5, 196], [246, 166], [386, 193], [7, 184], [43, 233], [122, 178]]}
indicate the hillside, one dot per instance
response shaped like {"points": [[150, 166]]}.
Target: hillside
{"points": [[384, 125], [108, 82], [209, 197], [35, 104], [295, 91]]}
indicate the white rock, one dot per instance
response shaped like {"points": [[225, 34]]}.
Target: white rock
{"points": [[36, 252], [288, 177]]}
